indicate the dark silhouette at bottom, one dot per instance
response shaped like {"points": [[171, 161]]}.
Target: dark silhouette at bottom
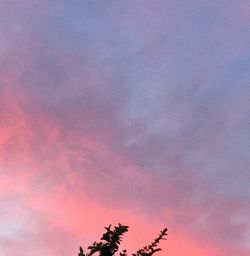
{"points": [[112, 239]]}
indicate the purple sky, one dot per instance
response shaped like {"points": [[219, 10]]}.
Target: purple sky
{"points": [[124, 111]]}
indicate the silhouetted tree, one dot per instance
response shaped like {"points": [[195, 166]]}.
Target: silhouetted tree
{"points": [[112, 239]]}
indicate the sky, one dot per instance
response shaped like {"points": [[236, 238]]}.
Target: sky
{"points": [[132, 111]]}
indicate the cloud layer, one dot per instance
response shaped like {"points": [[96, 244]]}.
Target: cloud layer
{"points": [[124, 112]]}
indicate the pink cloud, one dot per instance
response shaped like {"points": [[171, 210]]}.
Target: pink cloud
{"points": [[98, 126], [61, 181]]}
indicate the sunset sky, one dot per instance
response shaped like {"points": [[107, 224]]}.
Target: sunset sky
{"points": [[133, 111]]}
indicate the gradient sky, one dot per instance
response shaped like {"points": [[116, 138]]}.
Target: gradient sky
{"points": [[125, 111]]}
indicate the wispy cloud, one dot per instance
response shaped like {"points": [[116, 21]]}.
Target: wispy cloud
{"points": [[125, 112]]}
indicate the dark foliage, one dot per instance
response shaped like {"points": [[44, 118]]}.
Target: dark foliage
{"points": [[112, 238]]}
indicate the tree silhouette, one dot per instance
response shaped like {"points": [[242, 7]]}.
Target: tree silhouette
{"points": [[112, 238]]}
